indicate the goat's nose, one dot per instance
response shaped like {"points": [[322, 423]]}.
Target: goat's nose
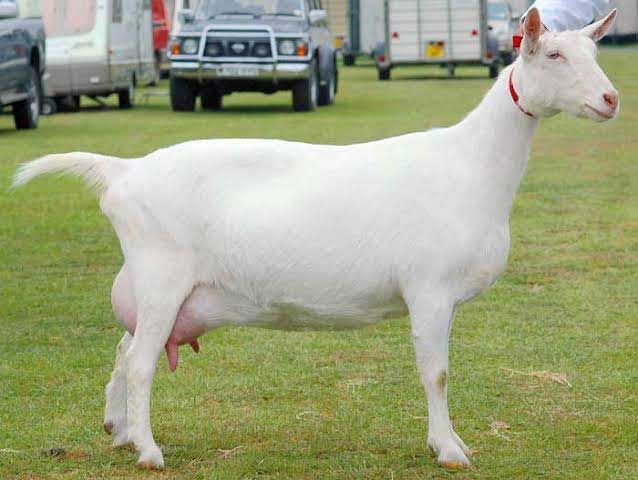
{"points": [[611, 99]]}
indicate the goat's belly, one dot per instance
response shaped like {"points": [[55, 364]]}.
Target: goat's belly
{"points": [[208, 308]]}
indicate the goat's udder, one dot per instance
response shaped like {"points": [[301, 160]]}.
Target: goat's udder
{"points": [[172, 352]]}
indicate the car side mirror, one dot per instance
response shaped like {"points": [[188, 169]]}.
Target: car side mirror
{"points": [[186, 15], [8, 10], [316, 16]]}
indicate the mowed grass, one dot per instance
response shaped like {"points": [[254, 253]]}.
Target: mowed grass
{"points": [[266, 404]]}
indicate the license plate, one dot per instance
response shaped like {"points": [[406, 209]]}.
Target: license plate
{"points": [[435, 50], [238, 71]]}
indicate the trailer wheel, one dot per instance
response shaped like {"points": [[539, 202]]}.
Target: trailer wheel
{"points": [[126, 98], [27, 112], [304, 92], [493, 72], [349, 59], [211, 99], [384, 73], [182, 95]]}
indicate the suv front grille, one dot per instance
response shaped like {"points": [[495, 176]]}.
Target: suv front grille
{"points": [[237, 48]]}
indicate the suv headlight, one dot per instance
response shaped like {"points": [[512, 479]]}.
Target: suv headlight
{"points": [[190, 46], [292, 47]]}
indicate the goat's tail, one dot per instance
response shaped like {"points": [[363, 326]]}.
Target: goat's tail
{"points": [[98, 171]]}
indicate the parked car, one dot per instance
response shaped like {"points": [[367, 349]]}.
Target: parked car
{"points": [[97, 48], [501, 25], [161, 33], [228, 46], [22, 60]]}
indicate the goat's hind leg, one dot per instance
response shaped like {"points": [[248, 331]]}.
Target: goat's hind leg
{"points": [[115, 408], [161, 286]]}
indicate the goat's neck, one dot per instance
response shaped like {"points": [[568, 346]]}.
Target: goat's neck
{"points": [[500, 136]]}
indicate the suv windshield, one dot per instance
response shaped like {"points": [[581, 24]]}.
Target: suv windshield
{"points": [[256, 8]]}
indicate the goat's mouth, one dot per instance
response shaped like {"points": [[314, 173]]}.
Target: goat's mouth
{"points": [[601, 114]]}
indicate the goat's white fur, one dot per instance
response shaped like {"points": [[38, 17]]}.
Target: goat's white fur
{"points": [[290, 235]]}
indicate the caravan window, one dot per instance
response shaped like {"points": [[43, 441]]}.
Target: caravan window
{"points": [[68, 17]]}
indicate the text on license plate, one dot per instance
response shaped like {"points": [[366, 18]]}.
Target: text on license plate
{"points": [[238, 71]]}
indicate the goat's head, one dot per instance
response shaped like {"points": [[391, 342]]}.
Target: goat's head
{"points": [[560, 73]]}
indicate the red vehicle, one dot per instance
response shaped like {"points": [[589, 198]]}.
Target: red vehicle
{"points": [[161, 32]]}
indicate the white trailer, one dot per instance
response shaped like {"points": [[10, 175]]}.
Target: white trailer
{"points": [[97, 48], [448, 32], [626, 25]]}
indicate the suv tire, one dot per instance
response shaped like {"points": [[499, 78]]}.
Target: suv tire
{"points": [[126, 98], [305, 92], [211, 99], [328, 91], [182, 95], [27, 112]]}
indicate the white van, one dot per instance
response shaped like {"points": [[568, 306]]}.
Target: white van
{"points": [[96, 48]]}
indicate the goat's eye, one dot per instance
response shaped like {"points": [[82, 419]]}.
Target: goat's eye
{"points": [[554, 55]]}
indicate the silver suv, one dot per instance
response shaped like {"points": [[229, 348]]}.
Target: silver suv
{"points": [[228, 46]]}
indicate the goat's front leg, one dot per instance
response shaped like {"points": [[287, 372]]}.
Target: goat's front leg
{"points": [[115, 407], [431, 325]]}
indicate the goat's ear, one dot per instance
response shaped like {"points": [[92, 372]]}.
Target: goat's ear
{"points": [[532, 31], [599, 29]]}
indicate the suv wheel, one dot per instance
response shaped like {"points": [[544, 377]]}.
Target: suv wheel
{"points": [[27, 112], [211, 99], [182, 95], [126, 97], [327, 91], [304, 92]]}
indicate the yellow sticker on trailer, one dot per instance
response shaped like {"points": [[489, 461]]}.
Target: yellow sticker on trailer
{"points": [[435, 50]]}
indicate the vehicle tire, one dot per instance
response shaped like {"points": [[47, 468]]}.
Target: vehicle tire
{"points": [[49, 106], [384, 73], [126, 98], [507, 58], [305, 92], [27, 112], [328, 92], [493, 72], [349, 59], [211, 99], [183, 95]]}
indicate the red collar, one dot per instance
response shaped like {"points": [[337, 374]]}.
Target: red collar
{"points": [[515, 95]]}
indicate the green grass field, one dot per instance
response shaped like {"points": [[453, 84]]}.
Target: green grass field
{"points": [[264, 404]]}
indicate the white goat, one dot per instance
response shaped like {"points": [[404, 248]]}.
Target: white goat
{"points": [[296, 236]]}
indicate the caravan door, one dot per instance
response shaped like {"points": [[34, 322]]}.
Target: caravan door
{"points": [[145, 48], [123, 42]]}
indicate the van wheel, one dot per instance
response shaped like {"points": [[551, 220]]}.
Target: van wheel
{"points": [[305, 92], [182, 95], [211, 99], [384, 73], [126, 97], [27, 112], [327, 91]]}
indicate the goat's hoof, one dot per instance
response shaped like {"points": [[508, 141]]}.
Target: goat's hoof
{"points": [[151, 459], [452, 457], [108, 427]]}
